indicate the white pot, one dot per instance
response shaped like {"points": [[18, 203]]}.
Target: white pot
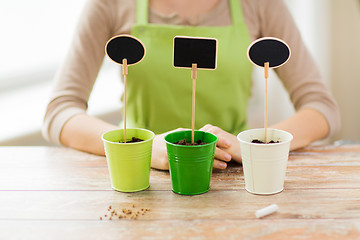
{"points": [[264, 165]]}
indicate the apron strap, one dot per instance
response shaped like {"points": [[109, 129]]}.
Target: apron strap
{"points": [[236, 12], [142, 12]]}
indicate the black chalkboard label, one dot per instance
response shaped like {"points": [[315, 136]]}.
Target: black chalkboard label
{"points": [[268, 49], [189, 50], [125, 46]]}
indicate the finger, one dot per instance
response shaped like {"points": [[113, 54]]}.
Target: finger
{"points": [[175, 130], [219, 164], [222, 155], [212, 129], [223, 143], [206, 127]]}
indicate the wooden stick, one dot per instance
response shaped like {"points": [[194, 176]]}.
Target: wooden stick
{"points": [[193, 76], [125, 72], [266, 70]]}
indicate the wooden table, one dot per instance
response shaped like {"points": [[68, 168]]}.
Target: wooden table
{"points": [[59, 193]]}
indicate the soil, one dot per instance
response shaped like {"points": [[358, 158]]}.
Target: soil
{"points": [[184, 142], [261, 142], [133, 140]]}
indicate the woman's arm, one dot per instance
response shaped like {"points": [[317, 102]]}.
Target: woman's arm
{"points": [[306, 126], [317, 114], [75, 78], [84, 132]]}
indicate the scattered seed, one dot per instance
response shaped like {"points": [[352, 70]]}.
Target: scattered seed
{"points": [[126, 213]]}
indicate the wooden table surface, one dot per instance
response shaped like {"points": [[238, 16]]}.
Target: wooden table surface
{"points": [[59, 193]]}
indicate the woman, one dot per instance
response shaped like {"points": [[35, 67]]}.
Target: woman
{"points": [[159, 98]]}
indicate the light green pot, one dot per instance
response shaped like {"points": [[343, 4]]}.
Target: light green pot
{"points": [[129, 163]]}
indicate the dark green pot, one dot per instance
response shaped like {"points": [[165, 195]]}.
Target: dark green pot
{"points": [[190, 166]]}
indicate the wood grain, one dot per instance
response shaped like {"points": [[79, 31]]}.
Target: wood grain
{"points": [[266, 229], [60, 193], [42, 168], [166, 205]]}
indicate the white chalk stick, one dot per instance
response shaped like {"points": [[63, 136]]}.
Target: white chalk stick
{"points": [[266, 211]]}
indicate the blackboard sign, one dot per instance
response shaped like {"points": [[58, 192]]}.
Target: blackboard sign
{"points": [[125, 50], [268, 52], [190, 50], [125, 47], [272, 50]]}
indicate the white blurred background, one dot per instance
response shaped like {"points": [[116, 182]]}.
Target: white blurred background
{"points": [[35, 36]]}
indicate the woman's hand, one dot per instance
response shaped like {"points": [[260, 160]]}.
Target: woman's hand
{"points": [[227, 147], [159, 158]]}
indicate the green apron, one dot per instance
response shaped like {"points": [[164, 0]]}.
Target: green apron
{"points": [[160, 96]]}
